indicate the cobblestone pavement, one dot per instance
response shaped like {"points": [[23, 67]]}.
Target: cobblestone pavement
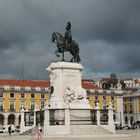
{"points": [[121, 135]]}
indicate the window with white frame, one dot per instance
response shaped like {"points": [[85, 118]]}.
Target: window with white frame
{"points": [[131, 108], [12, 95], [112, 98], [32, 105], [96, 98], [104, 97], [32, 95], [42, 95], [131, 99], [1, 106], [22, 95], [22, 103], [42, 104], [11, 105], [1, 93]]}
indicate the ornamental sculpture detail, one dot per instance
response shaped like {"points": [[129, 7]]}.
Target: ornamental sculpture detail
{"points": [[66, 44], [72, 96]]}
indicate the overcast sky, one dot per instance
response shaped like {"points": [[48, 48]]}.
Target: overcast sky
{"points": [[107, 31]]}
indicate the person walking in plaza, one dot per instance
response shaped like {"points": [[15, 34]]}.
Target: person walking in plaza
{"points": [[39, 133], [9, 130], [34, 133]]}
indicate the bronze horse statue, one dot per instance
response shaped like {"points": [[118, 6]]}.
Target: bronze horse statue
{"points": [[62, 47]]}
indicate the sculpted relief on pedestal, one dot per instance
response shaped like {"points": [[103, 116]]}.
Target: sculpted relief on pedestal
{"points": [[77, 95]]}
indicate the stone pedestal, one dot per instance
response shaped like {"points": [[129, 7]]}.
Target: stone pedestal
{"points": [[98, 113], [67, 98], [65, 80], [111, 120]]}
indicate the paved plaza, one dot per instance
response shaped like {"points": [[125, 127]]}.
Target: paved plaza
{"points": [[121, 135]]}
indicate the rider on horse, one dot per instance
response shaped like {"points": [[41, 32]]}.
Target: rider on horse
{"points": [[68, 36], [66, 44]]}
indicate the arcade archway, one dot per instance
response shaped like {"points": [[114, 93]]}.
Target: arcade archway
{"points": [[11, 119], [1, 119]]}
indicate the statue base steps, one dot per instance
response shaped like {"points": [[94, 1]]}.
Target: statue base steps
{"points": [[77, 130]]}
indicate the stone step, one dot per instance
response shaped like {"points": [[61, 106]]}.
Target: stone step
{"points": [[27, 132], [88, 130]]}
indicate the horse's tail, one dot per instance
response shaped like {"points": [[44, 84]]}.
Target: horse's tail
{"points": [[75, 44], [76, 47]]}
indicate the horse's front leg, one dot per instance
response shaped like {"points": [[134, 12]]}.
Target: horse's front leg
{"points": [[72, 59], [63, 56], [56, 53]]}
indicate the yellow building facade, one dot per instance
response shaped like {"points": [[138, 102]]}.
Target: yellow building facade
{"points": [[29, 101], [131, 106], [15, 94]]}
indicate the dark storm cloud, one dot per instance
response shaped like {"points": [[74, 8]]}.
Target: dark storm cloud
{"points": [[128, 57], [108, 33], [111, 20]]}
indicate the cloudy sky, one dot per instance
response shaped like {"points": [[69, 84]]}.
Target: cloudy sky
{"points": [[107, 31]]}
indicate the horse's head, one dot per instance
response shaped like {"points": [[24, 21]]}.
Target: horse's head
{"points": [[53, 37], [57, 38]]}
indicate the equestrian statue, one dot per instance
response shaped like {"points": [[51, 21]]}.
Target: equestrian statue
{"points": [[66, 44]]}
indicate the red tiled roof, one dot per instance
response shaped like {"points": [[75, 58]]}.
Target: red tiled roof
{"points": [[89, 86], [87, 80], [31, 83], [136, 81], [126, 79], [24, 83]]}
